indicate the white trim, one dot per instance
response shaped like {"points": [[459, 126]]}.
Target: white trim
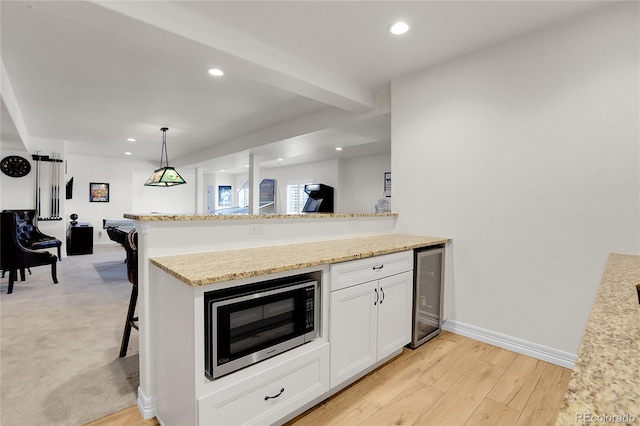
{"points": [[544, 353], [146, 405]]}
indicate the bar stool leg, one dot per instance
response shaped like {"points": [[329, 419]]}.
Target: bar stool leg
{"points": [[130, 322]]}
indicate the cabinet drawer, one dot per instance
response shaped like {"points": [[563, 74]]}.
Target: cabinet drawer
{"points": [[297, 380], [347, 274]]}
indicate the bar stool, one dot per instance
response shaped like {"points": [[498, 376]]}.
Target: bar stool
{"points": [[131, 247]]}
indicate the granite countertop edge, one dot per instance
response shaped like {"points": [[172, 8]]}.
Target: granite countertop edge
{"points": [[605, 382], [198, 269], [146, 217]]}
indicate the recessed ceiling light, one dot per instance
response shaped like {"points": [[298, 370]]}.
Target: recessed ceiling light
{"points": [[222, 171], [399, 28], [280, 159], [127, 153], [338, 148], [246, 165], [131, 139], [216, 72]]}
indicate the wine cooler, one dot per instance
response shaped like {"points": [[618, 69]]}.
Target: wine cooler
{"points": [[427, 294]]}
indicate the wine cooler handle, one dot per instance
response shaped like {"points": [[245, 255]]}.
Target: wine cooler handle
{"points": [[266, 398]]}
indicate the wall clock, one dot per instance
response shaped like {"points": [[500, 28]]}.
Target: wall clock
{"points": [[15, 166]]}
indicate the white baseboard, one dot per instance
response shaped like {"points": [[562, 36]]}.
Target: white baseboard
{"points": [[146, 405], [534, 350]]}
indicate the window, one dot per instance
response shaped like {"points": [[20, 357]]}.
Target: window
{"points": [[243, 195], [296, 198]]}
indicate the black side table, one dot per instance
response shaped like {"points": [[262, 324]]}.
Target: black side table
{"points": [[80, 239]]}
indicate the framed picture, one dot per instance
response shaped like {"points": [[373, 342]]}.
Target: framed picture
{"points": [[387, 184], [98, 192], [224, 196]]}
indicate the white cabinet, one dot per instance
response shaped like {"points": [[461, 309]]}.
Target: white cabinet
{"points": [[365, 319], [347, 274], [394, 313], [369, 320], [353, 330], [263, 393]]}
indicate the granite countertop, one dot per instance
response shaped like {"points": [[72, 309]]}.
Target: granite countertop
{"points": [[605, 382], [162, 217], [213, 267]]}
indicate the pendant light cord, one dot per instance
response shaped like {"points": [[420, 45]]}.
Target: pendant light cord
{"points": [[163, 153]]}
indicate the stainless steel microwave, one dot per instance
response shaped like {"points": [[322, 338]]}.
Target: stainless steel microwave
{"points": [[247, 324]]}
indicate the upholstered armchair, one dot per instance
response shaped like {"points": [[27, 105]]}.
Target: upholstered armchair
{"points": [[30, 236], [14, 256]]}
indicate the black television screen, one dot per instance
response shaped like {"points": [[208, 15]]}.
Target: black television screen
{"points": [[69, 192]]}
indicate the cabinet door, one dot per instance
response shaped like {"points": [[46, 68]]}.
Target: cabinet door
{"points": [[394, 313], [352, 330]]}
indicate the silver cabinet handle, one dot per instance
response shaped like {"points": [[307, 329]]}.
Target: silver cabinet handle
{"points": [[266, 398], [377, 268]]}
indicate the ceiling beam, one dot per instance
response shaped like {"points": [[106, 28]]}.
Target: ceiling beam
{"points": [[299, 126], [11, 108], [327, 118], [249, 57]]}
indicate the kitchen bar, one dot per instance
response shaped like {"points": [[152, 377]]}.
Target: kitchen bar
{"points": [[254, 242], [605, 383], [338, 272]]}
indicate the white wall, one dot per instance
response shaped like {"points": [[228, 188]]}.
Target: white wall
{"points": [[127, 193], [180, 199], [86, 169], [358, 182], [214, 180], [363, 182], [326, 172], [18, 193], [527, 155]]}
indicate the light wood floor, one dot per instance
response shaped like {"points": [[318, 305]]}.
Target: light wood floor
{"points": [[451, 380], [128, 417]]}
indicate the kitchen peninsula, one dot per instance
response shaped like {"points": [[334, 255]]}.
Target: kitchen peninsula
{"points": [[605, 383], [194, 253]]}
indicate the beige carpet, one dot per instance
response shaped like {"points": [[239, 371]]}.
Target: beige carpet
{"points": [[59, 343]]}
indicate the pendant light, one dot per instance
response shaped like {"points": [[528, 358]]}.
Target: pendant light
{"points": [[164, 176]]}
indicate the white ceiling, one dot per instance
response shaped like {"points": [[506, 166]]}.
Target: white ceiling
{"points": [[301, 77]]}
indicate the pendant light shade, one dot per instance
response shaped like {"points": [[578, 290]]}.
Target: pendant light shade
{"points": [[165, 175]]}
